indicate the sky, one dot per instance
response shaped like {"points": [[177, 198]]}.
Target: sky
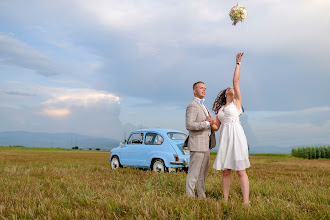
{"points": [[106, 67]]}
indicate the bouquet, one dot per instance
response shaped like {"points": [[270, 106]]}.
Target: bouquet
{"points": [[237, 13]]}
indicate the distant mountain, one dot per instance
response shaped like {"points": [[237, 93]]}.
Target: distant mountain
{"points": [[55, 140]]}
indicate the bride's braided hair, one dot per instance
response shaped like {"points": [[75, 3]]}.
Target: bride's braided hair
{"points": [[220, 100]]}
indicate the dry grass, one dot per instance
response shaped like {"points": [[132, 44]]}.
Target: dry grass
{"points": [[45, 184]]}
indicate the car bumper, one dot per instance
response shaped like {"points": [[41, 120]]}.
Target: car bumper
{"points": [[183, 163]]}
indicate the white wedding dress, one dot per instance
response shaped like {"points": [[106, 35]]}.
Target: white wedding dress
{"points": [[233, 147]]}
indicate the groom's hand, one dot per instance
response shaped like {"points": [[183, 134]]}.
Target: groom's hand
{"points": [[210, 120]]}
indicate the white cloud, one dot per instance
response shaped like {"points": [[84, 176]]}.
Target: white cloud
{"points": [[18, 53], [128, 15], [270, 24], [56, 113], [56, 97], [122, 15], [295, 27], [81, 98], [52, 109]]}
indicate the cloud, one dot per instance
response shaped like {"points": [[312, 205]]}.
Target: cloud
{"points": [[17, 53], [152, 52], [86, 111], [121, 15], [52, 109], [269, 26], [178, 43], [313, 116], [56, 113], [81, 98], [19, 93], [291, 128]]}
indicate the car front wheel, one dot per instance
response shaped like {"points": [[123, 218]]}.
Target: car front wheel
{"points": [[158, 166], [115, 164]]}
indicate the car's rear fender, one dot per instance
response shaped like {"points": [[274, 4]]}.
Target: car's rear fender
{"points": [[167, 158]]}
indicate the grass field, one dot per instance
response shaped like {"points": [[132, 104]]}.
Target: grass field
{"points": [[59, 184]]}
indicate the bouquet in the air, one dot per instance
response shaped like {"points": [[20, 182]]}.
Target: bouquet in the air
{"points": [[237, 13]]}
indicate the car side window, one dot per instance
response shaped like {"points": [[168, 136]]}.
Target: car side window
{"points": [[136, 138], [153, 139]]}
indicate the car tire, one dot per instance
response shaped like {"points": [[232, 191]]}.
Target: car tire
{"points": [[115, 163], [158, 166]]}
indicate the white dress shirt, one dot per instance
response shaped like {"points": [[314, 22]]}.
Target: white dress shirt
{"points": [[207, 114]]}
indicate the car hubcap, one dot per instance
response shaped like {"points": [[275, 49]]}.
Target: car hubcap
{"points": [[115, 164], [159, 167]]}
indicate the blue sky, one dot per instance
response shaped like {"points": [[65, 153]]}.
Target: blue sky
{"points": [[104, 68]]}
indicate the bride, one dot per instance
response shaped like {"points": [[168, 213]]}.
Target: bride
{"points": [[233, 148]]}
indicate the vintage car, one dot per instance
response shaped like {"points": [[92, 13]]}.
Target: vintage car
{"points": [[156, 149]]}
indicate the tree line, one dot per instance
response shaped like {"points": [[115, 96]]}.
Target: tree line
{"points": [[312, 152]]}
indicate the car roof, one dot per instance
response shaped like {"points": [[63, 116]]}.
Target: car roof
{"points": [[159, 130]]}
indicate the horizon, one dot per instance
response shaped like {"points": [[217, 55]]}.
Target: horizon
{"points": [[108, 143]]}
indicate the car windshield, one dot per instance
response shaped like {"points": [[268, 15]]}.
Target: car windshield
{"points": [[136, 138], [176, 136]]}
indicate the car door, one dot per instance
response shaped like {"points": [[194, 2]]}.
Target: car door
{"points": [[152, 144], [131, 154]]}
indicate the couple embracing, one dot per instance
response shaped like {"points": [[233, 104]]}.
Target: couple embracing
{"points": [[233, 148]]}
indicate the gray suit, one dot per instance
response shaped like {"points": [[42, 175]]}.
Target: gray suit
{"points": [[199, 146]]}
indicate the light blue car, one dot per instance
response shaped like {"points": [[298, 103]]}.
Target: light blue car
{"points": [[156, 149]]}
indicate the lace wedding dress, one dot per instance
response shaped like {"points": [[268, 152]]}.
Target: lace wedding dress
{"points": [[233, 148]]}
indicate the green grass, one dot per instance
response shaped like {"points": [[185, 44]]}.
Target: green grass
{"points": [[49, 184]]}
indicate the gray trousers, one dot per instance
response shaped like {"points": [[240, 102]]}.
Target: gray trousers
{"points": [[198, 167]]}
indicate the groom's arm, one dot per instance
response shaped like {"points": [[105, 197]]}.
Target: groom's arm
{"points": [[191, 119]]}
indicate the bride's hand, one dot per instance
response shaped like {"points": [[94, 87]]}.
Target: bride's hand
{"points": [[214, 120], [239, 57]]}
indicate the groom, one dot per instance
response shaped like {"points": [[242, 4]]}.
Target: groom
{"points": [[201, 139]]}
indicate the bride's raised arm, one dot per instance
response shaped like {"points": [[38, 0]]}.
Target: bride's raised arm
{"points": [[237, 97]]}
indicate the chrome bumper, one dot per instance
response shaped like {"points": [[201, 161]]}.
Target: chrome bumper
{"points": [[184, 163]]}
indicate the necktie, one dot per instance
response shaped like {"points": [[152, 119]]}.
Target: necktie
{"points": [[202, 101]]}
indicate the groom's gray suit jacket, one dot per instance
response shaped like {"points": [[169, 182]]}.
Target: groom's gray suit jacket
{"points": [[196, 125]]}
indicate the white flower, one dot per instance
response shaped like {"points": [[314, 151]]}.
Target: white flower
{"points": [[238, 13]]}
